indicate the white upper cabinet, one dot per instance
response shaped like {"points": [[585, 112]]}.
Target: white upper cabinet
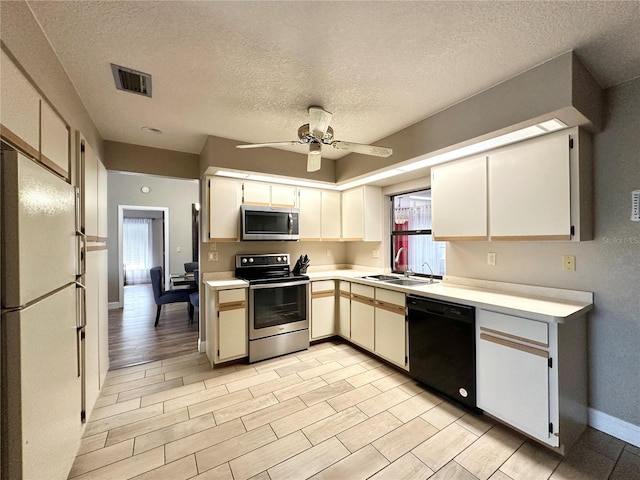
{"points": [[283, 196], [362, 214], [54, 141], [538, 189], [20, 108], [90, 191], [310, 206], [529, 190], [459, 200], [330, 216], [258, 193], [223, 205], [29, 122], [102, 201], [319, 215]]}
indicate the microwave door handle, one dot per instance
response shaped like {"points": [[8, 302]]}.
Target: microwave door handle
{"points": [[290, 224]]}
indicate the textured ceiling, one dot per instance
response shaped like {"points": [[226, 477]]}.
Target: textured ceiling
{"points": [[248, 70]]}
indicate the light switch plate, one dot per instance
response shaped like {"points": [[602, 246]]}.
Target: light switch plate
{"points": [[375, 253], [491, 258]]}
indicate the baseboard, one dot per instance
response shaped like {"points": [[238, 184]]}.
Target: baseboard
{"points": [[114, 305], [615, 427]]}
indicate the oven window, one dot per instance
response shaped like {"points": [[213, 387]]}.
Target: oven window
{"points": [[279, 305]]}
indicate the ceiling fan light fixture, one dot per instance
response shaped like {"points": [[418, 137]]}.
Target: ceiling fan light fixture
{"points": [[315, 148]]}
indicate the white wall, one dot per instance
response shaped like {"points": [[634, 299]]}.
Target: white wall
{"points": [[174, 194], [609, 265]]}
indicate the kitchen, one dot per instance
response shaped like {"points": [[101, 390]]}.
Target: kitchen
{"points": [[606, 265]]}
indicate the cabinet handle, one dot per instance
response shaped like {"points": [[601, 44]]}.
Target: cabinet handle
{"points": [[516, 346], [223, 307], [361, 299], [323, 293], [515, 337], [390, 307]]}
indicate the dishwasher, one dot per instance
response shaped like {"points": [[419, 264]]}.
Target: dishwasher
{"points": [[442, 347]]}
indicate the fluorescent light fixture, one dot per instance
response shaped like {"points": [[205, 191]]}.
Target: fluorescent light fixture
{"points": [[490, 144]]}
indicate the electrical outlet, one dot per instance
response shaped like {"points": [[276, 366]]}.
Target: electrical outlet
{"points": [[491, 258], [213, 256], [328, 253], [569, 263], [375, 253]]}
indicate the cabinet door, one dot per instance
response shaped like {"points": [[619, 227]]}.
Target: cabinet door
{"points": [[330, 216], [513, 372], [459, 200], [19, 108], [323, 309], [283, 196], [90, 192], [390, 326], [102, 201], [529, 190], [353, 215], [310, 200], [224, 209], [390, 337], [232, 324], [54, 144], [344, 310], [256, 193], [362, 316]]}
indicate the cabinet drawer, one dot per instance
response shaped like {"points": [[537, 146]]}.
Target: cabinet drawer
{"points": [[516, 328], [323, 286], [390, 296], [362, 290], [232, 296]]}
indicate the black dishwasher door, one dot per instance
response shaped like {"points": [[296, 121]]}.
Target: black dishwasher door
{"points": [[442, 347]]}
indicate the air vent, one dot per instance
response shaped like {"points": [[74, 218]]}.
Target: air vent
{"points": [[131, 80]]}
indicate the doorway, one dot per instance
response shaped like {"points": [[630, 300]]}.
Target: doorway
{"points": [[160, 250]]}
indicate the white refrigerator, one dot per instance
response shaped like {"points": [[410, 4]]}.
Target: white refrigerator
{"points": [[42, 321]]}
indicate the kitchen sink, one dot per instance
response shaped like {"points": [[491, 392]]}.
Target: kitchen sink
{"points": [[409, 282], [381, 278]]}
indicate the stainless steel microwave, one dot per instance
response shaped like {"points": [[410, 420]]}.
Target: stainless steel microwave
{"points": [[269, 223]]}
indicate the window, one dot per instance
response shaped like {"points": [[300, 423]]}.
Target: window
{"points": [[137, 243], [412, 246]]}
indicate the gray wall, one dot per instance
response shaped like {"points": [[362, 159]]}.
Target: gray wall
{"points": [[609, 265], [175, 194]]}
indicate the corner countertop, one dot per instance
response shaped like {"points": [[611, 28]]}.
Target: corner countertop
{"points": [[551, 305]]}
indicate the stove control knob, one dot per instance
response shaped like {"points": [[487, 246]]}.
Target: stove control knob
{"points": [[251, 260], [279, 259], [244, 260]]}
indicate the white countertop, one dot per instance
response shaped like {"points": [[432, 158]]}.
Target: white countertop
{"points": [[537, 303]]}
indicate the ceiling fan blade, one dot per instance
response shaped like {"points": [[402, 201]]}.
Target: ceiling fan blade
{"points": [[272, 144], [319, 122], [313, 162], [363, 149]]}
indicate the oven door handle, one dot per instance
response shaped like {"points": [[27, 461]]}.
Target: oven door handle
{"points": [[276, 285]]}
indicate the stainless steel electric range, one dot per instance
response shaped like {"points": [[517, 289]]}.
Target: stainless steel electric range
{"points": [[278, 305]]}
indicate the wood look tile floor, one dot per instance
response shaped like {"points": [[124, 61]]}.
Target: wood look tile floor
{"points": [[329, 412], [132, 337]]}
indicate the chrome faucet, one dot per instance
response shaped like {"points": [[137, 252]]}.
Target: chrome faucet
{"points": [[408, 271], [427, 264]]}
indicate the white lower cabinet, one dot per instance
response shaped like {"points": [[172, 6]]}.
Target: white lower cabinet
{"points": [[323, 309], [227, 327], [532, 375], [344, 309], [362, 315], [390, 326]]}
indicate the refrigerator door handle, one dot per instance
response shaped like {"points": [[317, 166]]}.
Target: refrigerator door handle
{"points": [[81, 305], [81, 248]]}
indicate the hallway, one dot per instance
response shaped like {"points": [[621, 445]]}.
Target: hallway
{"points": [[133, 338]]}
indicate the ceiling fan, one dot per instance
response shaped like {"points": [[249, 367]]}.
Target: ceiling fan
{"points": [[317, 133]]}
